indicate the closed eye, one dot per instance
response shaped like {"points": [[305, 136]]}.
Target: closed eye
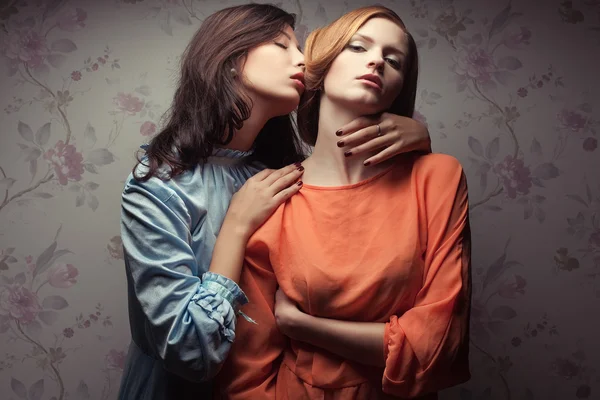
{"points": [[395, 64], [283, 46], [355, 47]]}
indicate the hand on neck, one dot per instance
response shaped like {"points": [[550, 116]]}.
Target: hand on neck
{"points": [[327, 165]]}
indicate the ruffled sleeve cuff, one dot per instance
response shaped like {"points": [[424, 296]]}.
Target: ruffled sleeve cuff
{"points": [[226, 288]]}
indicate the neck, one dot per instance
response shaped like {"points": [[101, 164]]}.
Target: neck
{"points": [[243, 138], [327, 165]]}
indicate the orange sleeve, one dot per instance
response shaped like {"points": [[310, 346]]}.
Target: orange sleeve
{"points": [[250, 370], [426, 348]]}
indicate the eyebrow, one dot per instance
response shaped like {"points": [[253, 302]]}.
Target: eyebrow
{"points": [[289, 37], [369, 39]]}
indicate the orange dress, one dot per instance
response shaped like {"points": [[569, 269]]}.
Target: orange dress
{"points": [[393, 249]]}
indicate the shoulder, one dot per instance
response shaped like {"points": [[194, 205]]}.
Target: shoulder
{"points": [[438, 164], [159, 186], [436, 169], [268, 236]]}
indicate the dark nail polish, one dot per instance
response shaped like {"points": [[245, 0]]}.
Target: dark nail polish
{"points": [[339, 132], [299, 183], [340, 143], [348, 153], [301, 168], [367, 163], [298, 164]]}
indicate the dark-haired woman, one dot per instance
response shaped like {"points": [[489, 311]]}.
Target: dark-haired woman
{"points": [[205, 185]]}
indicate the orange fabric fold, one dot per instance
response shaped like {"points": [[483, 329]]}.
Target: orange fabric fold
{"points": [[393, 249]]}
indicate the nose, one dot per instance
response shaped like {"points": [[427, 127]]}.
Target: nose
{"points": [[299, 59], [377, 63]]}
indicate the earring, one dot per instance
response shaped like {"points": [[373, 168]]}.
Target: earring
{"points": [[234, 72]]}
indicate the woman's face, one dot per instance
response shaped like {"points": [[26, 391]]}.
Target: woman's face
{"points": [[273, 73], [368, 74]]}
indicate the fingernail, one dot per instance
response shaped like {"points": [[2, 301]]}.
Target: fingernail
{"points": [[340, 143], [348, 153], [339, 132], [298, 164], [299, 183], [301, 168], [367, 163]]}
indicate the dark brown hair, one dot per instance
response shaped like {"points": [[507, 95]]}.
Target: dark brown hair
{"points": [[323, 45], [210, 104]]}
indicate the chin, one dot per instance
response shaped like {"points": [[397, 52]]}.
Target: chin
{"points": [[282, 105], [364, 106]]}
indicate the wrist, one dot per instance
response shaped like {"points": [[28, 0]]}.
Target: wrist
{"points": [[293, 323], [233, 228]]}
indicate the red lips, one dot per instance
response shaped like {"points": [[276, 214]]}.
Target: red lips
{"points": [[299, 76], [372, 78], [299, 79]]}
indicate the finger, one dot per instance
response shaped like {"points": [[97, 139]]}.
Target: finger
{"points": [[263, 174], [269, 180], [286, 181], [383, 155], [357, 124], [372, 145], [361, 136], [282, 298], [285, 194], [278, 295]]}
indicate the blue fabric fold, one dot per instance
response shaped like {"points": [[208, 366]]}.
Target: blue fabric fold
{"points": [[182, 316]]}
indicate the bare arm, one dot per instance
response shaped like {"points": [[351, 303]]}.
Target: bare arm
{"points": [[249, 208], [358, 341]]}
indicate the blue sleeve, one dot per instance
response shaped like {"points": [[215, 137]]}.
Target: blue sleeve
{"points": [[191, 319]]}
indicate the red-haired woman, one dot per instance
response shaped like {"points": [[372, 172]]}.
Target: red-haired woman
{"points": [[359, 284]]}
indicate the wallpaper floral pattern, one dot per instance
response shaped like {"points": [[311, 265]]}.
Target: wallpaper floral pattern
{"points": [[509, 88]]}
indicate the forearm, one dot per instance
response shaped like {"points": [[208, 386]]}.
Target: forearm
{"points": [[357, 341], [229, 250]]}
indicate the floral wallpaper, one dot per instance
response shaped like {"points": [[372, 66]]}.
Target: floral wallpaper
{"points": [[509, 88]]}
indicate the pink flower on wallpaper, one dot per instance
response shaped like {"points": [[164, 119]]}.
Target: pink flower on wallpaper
{"points": [[566, 368], [128, 103], [510, 290], [590, 144], [26, 46], [76, 75], [67, 162], [475, 63], [115, 359], [72, 20], [514, 39], [63, 276], [148, 128], [19, 303], [522, 92], [419, 117], [515, 176], [448, 22], [572, 120]]}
